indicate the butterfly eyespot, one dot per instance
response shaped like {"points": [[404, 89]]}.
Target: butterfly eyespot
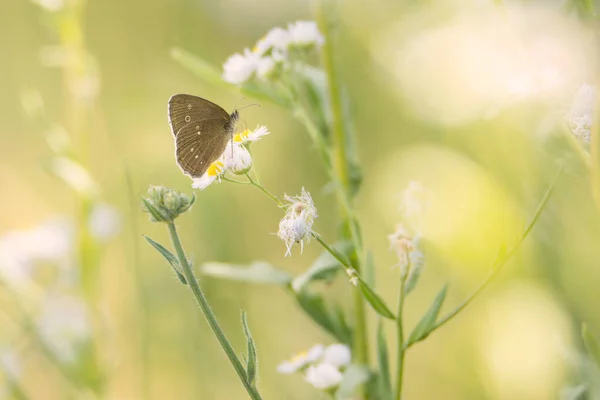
{"points": [[197, 127], [187, 118], [192, 150], [196, 156], [189, 106], [198, 132]]}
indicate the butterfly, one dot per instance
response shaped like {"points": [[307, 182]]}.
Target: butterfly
{"points": [[201, 129]]}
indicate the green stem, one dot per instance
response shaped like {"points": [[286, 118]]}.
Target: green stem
{"points": [[341, 168], [400, 334], [208, 313], [497, 267], [265, 191]]}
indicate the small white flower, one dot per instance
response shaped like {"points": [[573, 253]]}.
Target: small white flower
{"points": [[104, 221], [415, 200], [276, 39], [251, 136], [237, 158], [402, 243], [296, 225], [301, 360], [50, 242], [50, 5], [582, 111], [239, 68], [265, 68], [11, 365], [338, 355], [323, 376], [63, 325], [77, 177], [214, 172], [305, 34]]}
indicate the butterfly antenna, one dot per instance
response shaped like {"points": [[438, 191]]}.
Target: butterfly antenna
{"points": [[249, 105], [238, 102]]}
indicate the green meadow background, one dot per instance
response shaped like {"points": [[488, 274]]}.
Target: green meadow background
{"points": [[518, 340]]}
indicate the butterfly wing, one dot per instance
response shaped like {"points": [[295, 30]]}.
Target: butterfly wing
{"points": [[185, 109], [198, 144]]}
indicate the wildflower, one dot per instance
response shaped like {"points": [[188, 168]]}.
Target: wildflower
{"points": [[323, 376], [251, 136], [406, 248], [305, 34], [415, 200], [50, 5], [581, 114], [237, 158], [296, 225], [301, 360], [20, 251], [104, 221], [77, 177], [338, 355], [214, 172], [276, 39], [164, 204], [63, 326], [239, 68], [352, 276]]}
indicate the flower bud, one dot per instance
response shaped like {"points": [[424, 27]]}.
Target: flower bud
{"points": [[164, 204]]}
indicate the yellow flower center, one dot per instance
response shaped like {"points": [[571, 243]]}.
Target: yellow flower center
{"points": [[299, 356], [240, 137], [215, 168]]}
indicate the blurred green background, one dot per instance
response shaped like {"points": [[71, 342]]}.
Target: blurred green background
{"points": [[422, 78]]}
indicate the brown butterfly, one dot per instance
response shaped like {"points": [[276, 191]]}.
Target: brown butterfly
{"points": [[201, 129]]}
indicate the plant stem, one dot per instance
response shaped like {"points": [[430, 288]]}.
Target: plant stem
{"points": [[497, 267], [400, 333], [208, 314], [265, 191], [341, 168]]}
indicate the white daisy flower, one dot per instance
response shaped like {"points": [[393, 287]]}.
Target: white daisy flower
{"points": [[214, 172], [301, 360], [265, 68], [276, 39], [304, 34], [237, 158], [338, 355], [296, 225], [239, 68], [104, 221], [63, 325], [581, 114], [50, 5], [323, 376], [251, 136], [77, 177]]}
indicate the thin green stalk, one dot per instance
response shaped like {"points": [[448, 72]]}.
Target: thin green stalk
{"points": [[208, 314], [504, 260], [334, 253], [265, 191], [400, 339], [341, 168]]}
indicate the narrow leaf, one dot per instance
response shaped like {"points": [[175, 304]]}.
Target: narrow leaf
{"points": [[317, 310], [252, 363], [384, 381], [375, 301], [157, 215], [427, 322], [591, 344], [170, 257], [369, 273], [324, 268], [257, 272]]}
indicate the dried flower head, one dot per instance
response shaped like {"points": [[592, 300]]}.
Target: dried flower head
{"points": [[296, 225]]}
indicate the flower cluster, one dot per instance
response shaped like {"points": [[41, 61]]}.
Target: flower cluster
{"points": [[271, 54], [322, 366], [296, 224], [164, 204], [581, 114], [236, 159]]}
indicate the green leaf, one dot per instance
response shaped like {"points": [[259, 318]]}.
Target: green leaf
{"points": [[211, 74], [591, 344], [375, 301], [257, 272], [170, 257], [427, 322], [384, 381], [369, 273], [155, 213], [354, 377], [252, 363], [317, 310], [501, 255], [324, 268]]}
